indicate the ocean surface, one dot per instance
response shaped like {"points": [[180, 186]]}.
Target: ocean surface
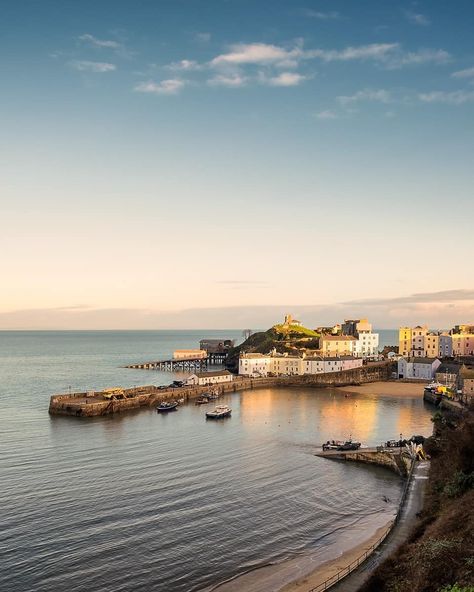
{"points": [[141, 501]]}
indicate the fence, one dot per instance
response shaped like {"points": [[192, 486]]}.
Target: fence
{"points": [[343, 573]]}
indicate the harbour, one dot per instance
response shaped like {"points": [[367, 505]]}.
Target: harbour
{"points": [[125, 497]]}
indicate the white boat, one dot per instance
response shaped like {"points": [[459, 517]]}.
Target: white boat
{"points": [[219, 412]]}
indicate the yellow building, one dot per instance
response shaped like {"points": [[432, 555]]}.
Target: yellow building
{"points": [[432, 345], [337, 345], [404, 341]]}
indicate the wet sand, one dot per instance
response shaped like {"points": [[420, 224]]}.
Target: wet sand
{"points": [[302, 573], [399, 389]]}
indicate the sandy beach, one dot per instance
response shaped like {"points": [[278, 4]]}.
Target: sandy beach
{"points": [[399, 389], [301, 573]]}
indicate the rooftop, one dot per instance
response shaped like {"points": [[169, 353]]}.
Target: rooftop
{"points": [[210, 374]]}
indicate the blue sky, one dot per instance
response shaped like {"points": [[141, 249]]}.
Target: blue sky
{"points": [[168, 156]]}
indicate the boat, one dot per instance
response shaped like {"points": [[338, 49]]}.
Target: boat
{"points": [[201, 401], [219, 412], [166, 406], [341, 445]]}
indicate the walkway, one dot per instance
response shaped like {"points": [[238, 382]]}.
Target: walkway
{"points": [[399, 534]]}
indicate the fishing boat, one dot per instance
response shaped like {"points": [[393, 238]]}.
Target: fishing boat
{"points": [[201, 401], [219, 412], [166, 406]]}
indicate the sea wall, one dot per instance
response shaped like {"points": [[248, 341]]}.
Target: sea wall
{"points": [[90, 404]]}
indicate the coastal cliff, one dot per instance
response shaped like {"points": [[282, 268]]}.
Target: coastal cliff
{"points": [[439, 556]]}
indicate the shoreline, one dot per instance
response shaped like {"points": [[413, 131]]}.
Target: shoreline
{"points": [[300, 573], [386, 388]]}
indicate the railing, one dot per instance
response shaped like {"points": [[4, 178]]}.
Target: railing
{"points": [[343, 573]]}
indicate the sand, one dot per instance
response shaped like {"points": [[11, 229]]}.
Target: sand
{"points": [[408, 389], [332, 567], [301, 573]]}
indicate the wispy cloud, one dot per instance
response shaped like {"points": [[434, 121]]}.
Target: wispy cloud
{"points": [[324, 16], [374, 51], [326, 115], [284, 79], [187, 65], [468, 73], [91, 40], [203, 37], [456, 97], [423, 56], [256, 53], [417, 18], [381, 96], [231, 81], [164, 87], [98, 67], [419, 298]]}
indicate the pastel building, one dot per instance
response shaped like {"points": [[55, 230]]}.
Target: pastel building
{"points": [[419, 368], [445, 345], [463, 344], [254, 364], [337, 345], [208, 378], [367, 343]]}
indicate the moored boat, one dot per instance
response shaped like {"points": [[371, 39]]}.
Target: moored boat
{"points": [[341, 445], [166, 406], [201, 401], [219, 412]]}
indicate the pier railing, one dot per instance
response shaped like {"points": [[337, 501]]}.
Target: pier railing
{"points": [[343, 573]]}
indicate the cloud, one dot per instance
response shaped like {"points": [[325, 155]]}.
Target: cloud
{"points": [[85, 66], [90, 39], [326, 115], [381, 95], [437, 309], [285, 79], [231, 81], [324, 16], [468, 73], [203, 37], [187, 65], [422, 56], [417, 19], [457, 97], [419, 298], [256, 53], [165, 87], [374, 51]]}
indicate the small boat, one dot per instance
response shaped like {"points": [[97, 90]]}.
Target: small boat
{"points": [[180, 401], [166, 406], [219, 412], [201, 401], [341, 445]]}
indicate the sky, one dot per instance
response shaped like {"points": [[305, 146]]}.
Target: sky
{"points": [[190, 164]]}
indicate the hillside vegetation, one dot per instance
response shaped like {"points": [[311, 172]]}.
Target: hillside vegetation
{"points": [[439, 557], [282, 338]]}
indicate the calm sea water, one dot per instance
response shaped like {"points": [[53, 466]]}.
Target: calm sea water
{"points": [[172, 503]]}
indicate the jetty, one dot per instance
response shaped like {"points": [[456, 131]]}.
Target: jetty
{"points": [[183, 364], [391, 458]]}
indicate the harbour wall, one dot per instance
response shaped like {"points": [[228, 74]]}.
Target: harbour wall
{"points": [[91, 404], [389, 458]]}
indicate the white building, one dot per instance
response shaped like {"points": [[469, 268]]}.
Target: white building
{"points": [[286, 365], [255, 365], [207, 378], [418, 368], [367, 345], [312, 365]]}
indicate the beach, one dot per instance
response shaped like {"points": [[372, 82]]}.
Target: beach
{"points": [[393, 388], [302, 573]]}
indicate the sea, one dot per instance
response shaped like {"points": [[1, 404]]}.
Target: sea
{"points": [[142, 501]]}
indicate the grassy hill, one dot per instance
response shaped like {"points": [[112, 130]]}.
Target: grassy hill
{"points": [[283, 338]]}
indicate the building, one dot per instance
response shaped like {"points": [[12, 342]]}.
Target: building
{"points": [[313, 365], [337, 345], [449, 374], [404, 341], [285, 365], [367, 343], [418, 342], [289, 320], [189, 354], [445, 345], [351, 362], [463, 344], [467, 383], [254, 364], [208, 378], [418, 368], [216, 346]]}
